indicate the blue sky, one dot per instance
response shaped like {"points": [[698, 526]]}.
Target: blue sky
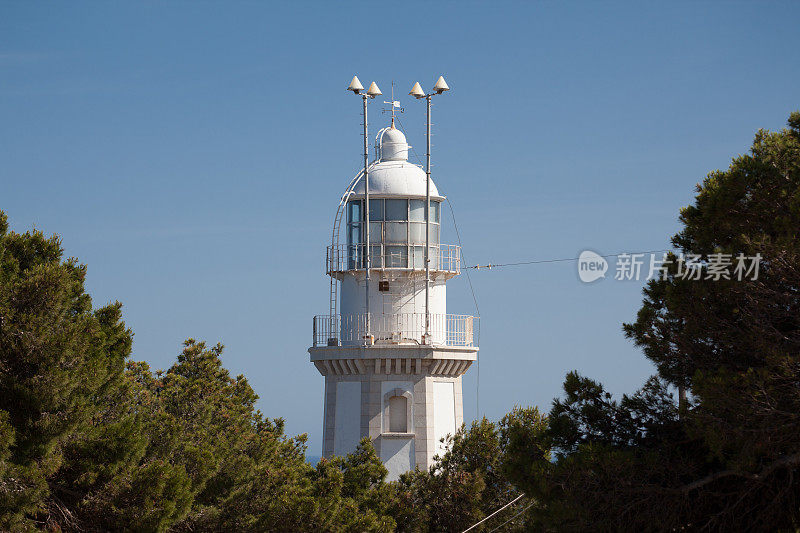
{"points": [[193, 154]]}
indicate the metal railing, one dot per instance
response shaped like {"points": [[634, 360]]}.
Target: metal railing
{"points": [[345, 257], [401, 328]]}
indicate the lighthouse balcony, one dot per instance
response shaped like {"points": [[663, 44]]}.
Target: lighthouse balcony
{"points": [[395, 329], [445, 258]]}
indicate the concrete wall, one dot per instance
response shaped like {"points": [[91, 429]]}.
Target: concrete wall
{"points": [[398, 455], [356, 406], [444, 413], [406, 296], [347, 424]]}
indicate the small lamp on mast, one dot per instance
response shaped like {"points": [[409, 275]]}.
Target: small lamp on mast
{"points": [[441, 85], [373, 90], [416, 91], [355, 85]]}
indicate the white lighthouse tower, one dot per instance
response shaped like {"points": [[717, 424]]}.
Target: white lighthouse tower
{"points": [[391, 355]]}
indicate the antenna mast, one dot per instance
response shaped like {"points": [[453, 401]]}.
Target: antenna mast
{"points": [[372, 92], [393, 104], [418, 93]]}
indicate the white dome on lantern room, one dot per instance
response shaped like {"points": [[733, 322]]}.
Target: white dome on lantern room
{"points": [[393, 145], [391, 174]]}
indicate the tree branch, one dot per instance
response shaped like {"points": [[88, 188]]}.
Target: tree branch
{"points": [[789, 460]]}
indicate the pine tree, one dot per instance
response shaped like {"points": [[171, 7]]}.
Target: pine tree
{"points": [[726, 456], [59, 360]]}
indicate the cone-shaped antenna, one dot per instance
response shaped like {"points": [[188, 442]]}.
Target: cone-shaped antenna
{"points": [[373, 90], [416, 91], [355, 85], [441, 85]]}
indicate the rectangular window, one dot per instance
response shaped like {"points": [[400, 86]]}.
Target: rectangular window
{"points": [[353, 233], [375, 232], [418, 257], [434, 234], [433, 255], [396, 209], [417, 210], [435, 208], [397, 232], [396, 257], [355, 257], [398, 414], [376, 209], [354, 211], [375, 257], [417, 233]]}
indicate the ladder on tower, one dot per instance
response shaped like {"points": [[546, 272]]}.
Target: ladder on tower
{"points": [[331, 260]]}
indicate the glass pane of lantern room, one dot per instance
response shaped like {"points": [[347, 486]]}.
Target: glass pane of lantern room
{"points": [[375, 209], [396, 232], [354, 234], [396, 209], [375, 232], [355, 257], [435, 208], [417, 210], [354, 211], [396, 257], [433, 255], [418, 257], [434, 234], [417, 233], [375, 257]]}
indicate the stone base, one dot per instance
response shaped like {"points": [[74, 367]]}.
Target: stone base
{"points": [[363, 384]]}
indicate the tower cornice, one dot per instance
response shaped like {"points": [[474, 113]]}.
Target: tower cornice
{"points": [[449, 361]]}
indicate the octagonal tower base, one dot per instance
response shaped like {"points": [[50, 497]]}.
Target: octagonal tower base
{"points": [[405, 398]]}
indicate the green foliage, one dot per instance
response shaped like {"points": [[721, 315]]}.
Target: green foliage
{"points": [[474, 476], [736, 344], [588, 414], [607, 450], [287, 494], [21, 487], [59, 362], [90, 442], [526, 446], [430, 502], [728, 459]]}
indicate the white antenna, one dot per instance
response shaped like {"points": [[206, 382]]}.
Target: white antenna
{"points": [[395, 104]]}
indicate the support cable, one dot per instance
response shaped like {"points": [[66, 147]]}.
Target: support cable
{"points": [[513, 517], [539, 261], [477, 312], [473, 526]]}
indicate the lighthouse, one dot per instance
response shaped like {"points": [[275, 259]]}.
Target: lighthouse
{"points": [[391, 356]]}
